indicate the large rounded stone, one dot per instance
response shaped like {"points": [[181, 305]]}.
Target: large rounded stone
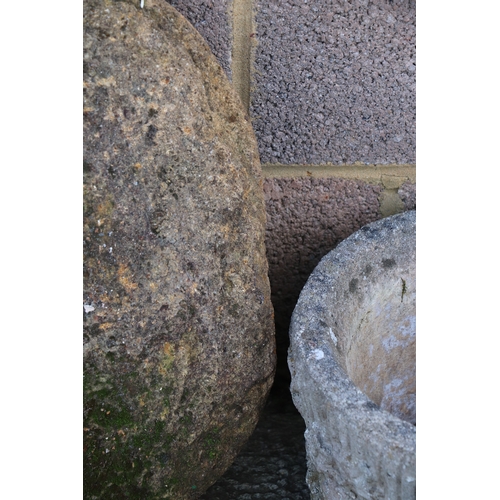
{"points": [[179, 350]]}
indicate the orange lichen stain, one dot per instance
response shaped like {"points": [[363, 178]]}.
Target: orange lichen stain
{"points": [[110, 116], [105, 208], [106, 82], [225, 230], [106, 326], [167, 348], [124, 276], [167, 359], [246, 193]]}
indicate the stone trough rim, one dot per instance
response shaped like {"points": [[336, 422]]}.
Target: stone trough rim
{"points": [[310, 340]]}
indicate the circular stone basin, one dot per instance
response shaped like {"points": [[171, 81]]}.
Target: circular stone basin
{"points": [[352, 361]]}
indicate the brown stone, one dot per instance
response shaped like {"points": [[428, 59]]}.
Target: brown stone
{"points": [[179, 351]]}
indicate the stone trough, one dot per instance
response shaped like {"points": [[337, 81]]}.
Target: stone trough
{"points": [[352, 361]]}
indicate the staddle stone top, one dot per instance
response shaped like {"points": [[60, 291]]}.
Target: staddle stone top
{"points": [[179, 350]]}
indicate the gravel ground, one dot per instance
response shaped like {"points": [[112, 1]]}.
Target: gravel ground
{"points": [[272, 465]]}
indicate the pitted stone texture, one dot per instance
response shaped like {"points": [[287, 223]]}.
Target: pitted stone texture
{"points": [[211, 19], [352, 360], [335, 81], [408, 194], [306, 218], [179, 350]]}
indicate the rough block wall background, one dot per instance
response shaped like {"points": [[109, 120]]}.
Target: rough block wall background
{"points": [[212, 18], [330, 88], [335, 81], [307, 217]]}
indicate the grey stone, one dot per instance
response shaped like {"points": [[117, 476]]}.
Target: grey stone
{"points": [[179, 350], [352, 361]]}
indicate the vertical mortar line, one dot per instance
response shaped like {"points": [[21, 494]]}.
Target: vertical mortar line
{"points": [[242, 49]]}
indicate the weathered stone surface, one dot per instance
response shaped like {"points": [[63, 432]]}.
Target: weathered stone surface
{"points": [[352, 360], [179, 350]]}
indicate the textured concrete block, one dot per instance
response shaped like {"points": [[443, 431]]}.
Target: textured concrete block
{"points": [[306, 218], [334, 81], [212, 20], [408, 194]]}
